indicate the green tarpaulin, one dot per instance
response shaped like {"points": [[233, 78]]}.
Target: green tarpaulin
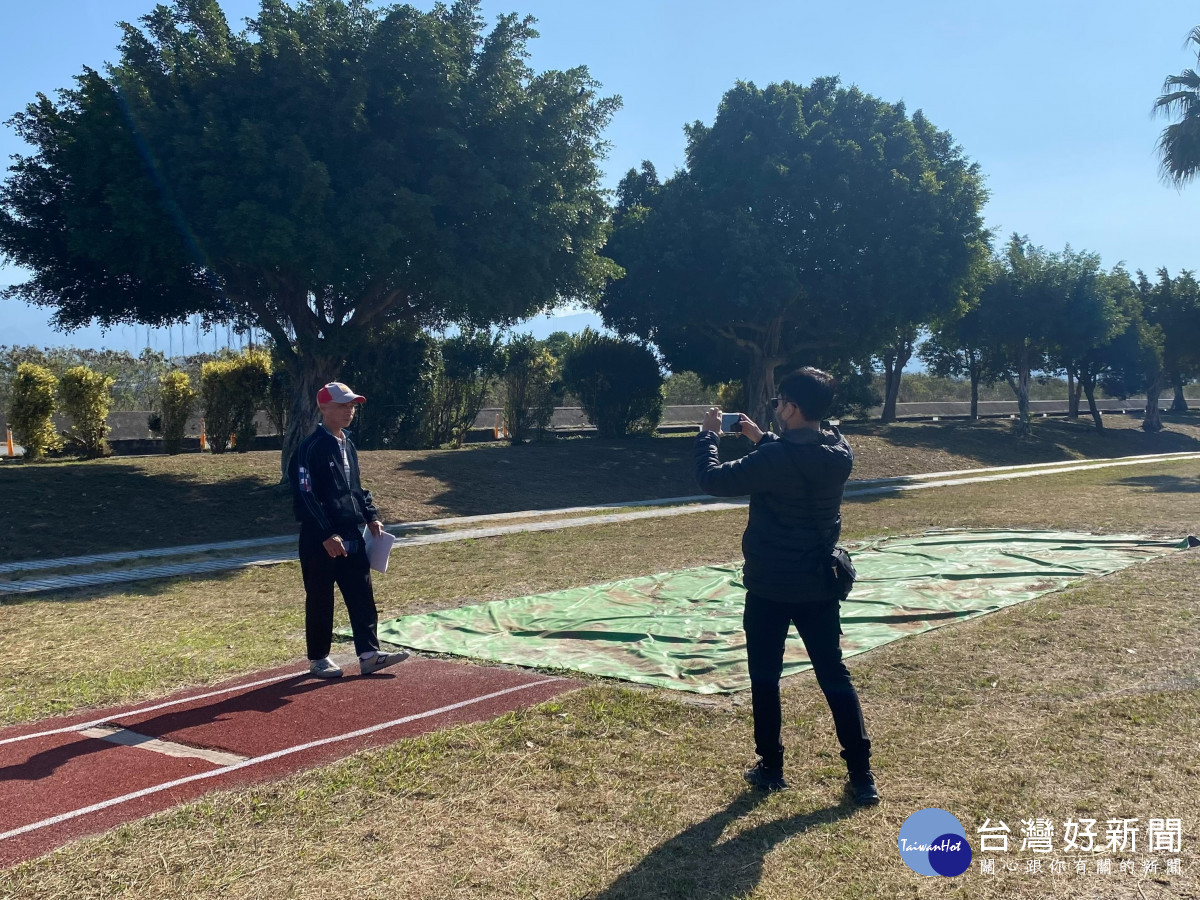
{"points": [[683, 630]]}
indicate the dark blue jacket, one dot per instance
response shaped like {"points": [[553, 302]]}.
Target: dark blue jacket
{"points": [[795, 483], [323, 501]]}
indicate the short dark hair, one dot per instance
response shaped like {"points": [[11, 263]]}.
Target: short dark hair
{"points": [[811, 390]]}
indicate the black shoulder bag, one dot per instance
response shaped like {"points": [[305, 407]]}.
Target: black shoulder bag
{"points": [[844, 573]]}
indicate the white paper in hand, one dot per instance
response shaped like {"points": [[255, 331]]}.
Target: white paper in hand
{"points": [[378, 550]]}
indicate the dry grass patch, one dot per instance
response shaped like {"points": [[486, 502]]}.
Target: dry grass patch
{"points": [[1038, 710], [91, 648]]}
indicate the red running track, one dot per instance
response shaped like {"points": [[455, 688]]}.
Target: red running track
{"points": [[57, 785]]}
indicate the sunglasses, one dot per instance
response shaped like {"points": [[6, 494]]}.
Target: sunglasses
{"points": [[775, 402]]}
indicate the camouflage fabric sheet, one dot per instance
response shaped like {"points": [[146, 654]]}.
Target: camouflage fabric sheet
{"points": [[683, 630]]}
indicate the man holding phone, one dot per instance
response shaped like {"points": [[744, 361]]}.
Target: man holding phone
{"points": [[335, 514], [795, 480]]}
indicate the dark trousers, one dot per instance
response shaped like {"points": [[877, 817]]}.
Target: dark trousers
{"points": [[352, 574], [766, 624]]}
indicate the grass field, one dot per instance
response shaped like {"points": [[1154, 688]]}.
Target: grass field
{"points": [[1082, 703], [128, 503]]}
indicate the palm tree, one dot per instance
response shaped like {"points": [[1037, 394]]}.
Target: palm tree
{"points": [[1179, 144]]}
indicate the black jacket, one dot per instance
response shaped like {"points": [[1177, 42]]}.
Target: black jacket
{"points": [[795, 485], [324, 503]]}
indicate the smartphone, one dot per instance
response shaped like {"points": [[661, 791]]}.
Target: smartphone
{"points": [[730, 423]]}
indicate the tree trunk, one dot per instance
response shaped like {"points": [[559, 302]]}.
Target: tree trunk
{"points": [[1179, 405], [1021, 389], [760, 376], [1089, 387], [760, 388], [1074, 386], [1153, 418], [314, 374], [893, 370], [976, 371]]}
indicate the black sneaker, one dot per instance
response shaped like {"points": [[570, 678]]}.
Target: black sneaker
{"points": [[861, 787], [765, 778]]}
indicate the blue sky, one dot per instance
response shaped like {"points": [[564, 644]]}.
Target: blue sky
{"points": [[1053, 99]]}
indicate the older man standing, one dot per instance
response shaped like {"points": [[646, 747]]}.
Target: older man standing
{"points": [[335, 514]]}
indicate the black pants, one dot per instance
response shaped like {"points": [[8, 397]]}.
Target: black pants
{"points": [[351, 573], [766, 624]]}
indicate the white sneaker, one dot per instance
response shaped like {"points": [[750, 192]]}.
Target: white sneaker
{"points": [[324, 668], [381, 660]]}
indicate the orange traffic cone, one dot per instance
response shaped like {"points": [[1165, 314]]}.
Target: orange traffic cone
{"points": [[12, 451], [203, 439]]}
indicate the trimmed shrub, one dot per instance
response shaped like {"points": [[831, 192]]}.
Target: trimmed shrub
{"points": [[232, 391], [177, 398], [251, 375], [687, 389], [30, 407], [531, 388], [86, 398], [279, 397], [731, 397], [216, 398], [618, 382], [468, 364]]}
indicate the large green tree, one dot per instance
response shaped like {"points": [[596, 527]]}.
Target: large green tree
{"points": [[1021, 307], [1179, 143], [811, 224], [330, 170], [1094, 308], [958, 347], [1169, 341]]}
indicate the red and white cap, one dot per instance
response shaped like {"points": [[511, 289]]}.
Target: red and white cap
{"points": [[336, 392]]}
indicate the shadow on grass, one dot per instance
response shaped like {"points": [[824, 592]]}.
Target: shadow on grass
{"points": [[558, 472], [149, 588], [993, 443], [698, 863], [1164, 484], [69, 510]]}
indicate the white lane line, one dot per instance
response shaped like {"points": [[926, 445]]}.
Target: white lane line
{"points": [[115, 734], [111, 716], [60, 582], [267, 757]]}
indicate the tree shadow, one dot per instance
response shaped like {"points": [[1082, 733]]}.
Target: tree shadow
{"points": [[1164, 484], [992, 442], [264, 699], [68, 510], [557, 472], [698, 863]]}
